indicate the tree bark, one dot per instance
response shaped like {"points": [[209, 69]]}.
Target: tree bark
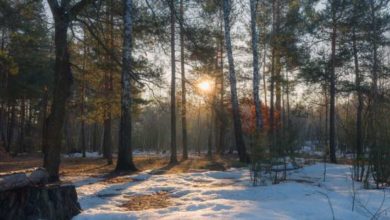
{"points": [[183, 85], [209, 122], [277, 132], [173, 159], [264, 80], [22, 125], [278, 66], [95, 135], [54, 202], [256, 75], [11, 126], [45, 100], [82, 132], [125, 154], [62, 83], [332, 91], [63, 80], [222, 123], [359, 111], [2, 124], [108, 87], [240, 144], [107, 140], [271, 131]]}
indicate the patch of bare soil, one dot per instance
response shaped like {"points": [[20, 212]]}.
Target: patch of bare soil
{"points": [[119, 179], [157, 200], [215, 166]]}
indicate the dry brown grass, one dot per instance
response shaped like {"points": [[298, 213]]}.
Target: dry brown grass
{"points": [[97, 166], [157, 200]]}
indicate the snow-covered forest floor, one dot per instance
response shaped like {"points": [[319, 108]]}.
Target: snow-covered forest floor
{"points": [[201, 189], [201, 194]]}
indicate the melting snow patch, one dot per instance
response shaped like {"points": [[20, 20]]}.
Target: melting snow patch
{"points": [[230, 195]]}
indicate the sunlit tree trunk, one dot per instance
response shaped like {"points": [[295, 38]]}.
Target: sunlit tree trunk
{"points": [[173, 159], [108, 87], [62, 15], [209, 122], [125, 155], [183, 85], [61, 92], [94, 137], [240, 144], [222, 124], [107, 140]]}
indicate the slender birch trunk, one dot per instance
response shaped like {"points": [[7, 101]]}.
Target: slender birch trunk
{"points": [[240, 144]]}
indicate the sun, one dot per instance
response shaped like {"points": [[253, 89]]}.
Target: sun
{"points": [[205, 86]]}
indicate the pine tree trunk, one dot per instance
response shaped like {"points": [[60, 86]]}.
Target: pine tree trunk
{"points": [[70, 143], [82, 133], [108, 87], [62, 85], [173, 159], [222, 125], [359, 111], [83, 141], [256, 75], [29, 126], [210, 134], [107, 140], [45, 99], [277, 81], [2, 124], [183, 85], [240, 144], [271, 132], [125, 154], [375, 150], [11, 125], [332, 94], [95, 136], [278, 65], [22, 125], [264, 80]]}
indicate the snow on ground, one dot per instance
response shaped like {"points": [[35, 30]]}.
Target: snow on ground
{"points": [[79, 155], [230, 195]]}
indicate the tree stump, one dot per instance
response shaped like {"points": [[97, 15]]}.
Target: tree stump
{"points": [[27, 197], [46, 202]]}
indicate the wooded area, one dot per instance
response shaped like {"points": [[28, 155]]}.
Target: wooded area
{"points": [[264, 81]]}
